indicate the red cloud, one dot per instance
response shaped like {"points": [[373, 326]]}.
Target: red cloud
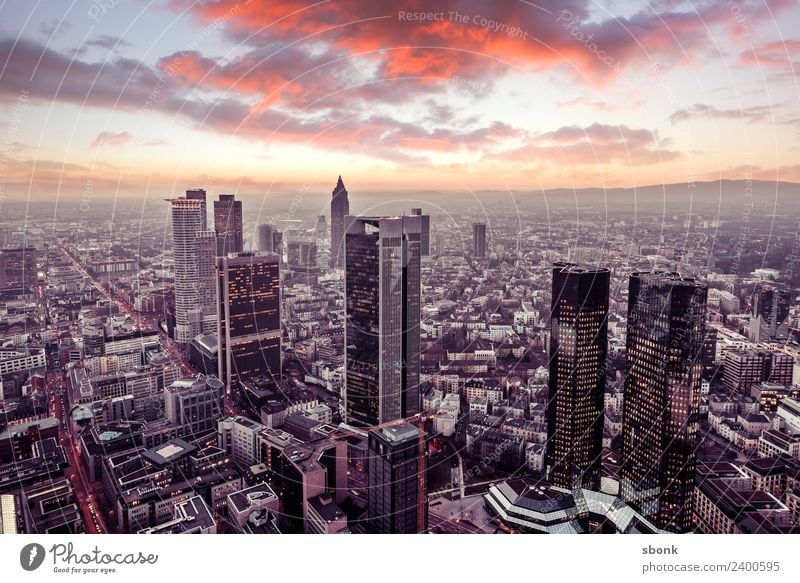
{"points": [[779, 55], [473, 38]]}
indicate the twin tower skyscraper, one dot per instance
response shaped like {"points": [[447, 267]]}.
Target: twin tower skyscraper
{"points": [[666, 325]]}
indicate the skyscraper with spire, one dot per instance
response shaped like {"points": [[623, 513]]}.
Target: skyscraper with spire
{"points": [[340, 208]]}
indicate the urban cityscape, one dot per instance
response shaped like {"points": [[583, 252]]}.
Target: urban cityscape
{"points": [[184, 370], [389, 328]]}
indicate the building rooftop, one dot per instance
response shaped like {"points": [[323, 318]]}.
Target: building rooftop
{"points": [[191, 516], [259, 494], [325, 506], [790, 405], [207, 342], [169, 452], [399, 433]]}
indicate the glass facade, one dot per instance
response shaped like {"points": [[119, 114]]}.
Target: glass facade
{"points": [[249, 322], [666, 321], [578, 348], [393, 488], [228, 225], [382, 295]]}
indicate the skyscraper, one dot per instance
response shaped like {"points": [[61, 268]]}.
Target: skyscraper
{"points": [[188, 220], [666, 321], [393, 477], [321, 230], [277, 244], [301, 255], [228, 224], [578, 348], [249, 318], [206, 280], [425, 239], [479, 240], [340, 208], [264, 233], [770, 316], [382, 318]]}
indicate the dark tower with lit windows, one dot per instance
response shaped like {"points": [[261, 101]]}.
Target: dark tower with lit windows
{"points": [[249, 329], [578, 347], [666, 323]]}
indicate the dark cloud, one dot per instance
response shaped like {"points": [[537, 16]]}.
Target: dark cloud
{"points": [[107, 138], [705, 111]]}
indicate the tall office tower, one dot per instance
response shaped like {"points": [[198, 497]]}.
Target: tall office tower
{"points": [[17, 270], [425, 240], [188, 219], [207, 303], [264, 238], [393, 477], [382, 319], [340, 208], [321, 230], [249, 329], [228, 225], [666, 321], [578, 348], [770, 316], [479, 240]]}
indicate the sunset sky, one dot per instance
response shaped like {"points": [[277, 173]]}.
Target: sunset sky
{"points": [[138, 97]]}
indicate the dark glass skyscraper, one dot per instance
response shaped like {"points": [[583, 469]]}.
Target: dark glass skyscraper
{"points": [[425, 239], [578, 348], [382, 319], [394, 478], [207, 303], [340, 208], [228, 224], [479, 240], [264, 237], [666, 322], [249, 318], [770, 317]]}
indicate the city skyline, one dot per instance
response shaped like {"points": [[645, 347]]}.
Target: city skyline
{"points": [[604, 390]]}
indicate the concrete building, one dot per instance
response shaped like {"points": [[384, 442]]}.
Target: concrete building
{"points": [[188, 220]]}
